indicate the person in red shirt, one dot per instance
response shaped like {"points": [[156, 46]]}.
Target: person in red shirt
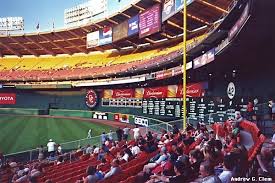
{"points": [[249, 111]]}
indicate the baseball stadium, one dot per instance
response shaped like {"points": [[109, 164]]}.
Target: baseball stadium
{"points": [[137, 91]]}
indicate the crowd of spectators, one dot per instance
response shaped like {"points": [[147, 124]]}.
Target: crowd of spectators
{"points": [[197, 154]]}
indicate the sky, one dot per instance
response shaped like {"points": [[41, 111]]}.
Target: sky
{"points": [[43, 11]]}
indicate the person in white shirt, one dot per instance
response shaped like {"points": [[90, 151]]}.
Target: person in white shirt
{"points": [[110, 135], [136, 131], [59, 149], [228, 165], [51, 147], [135, 150], [89, 134]]}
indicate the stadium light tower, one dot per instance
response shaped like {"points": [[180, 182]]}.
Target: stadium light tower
{"points": [[184, 62]]}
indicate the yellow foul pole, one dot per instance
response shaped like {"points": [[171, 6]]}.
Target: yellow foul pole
{"points": [[184, 63]]}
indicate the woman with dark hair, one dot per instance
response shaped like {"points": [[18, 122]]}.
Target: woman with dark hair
{"points": [[180, 177], [91, 176], [195, 157]]}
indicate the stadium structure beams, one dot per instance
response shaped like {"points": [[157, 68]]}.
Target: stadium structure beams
{"points": [[138, 7], [112, 21], [150, 40], [11, 50], [131, 43], [56, 45], [77, 36], [127, 16], [166, 35], [210, 5], [25, 47], [71, 43], [198, 19], [40, 46]]}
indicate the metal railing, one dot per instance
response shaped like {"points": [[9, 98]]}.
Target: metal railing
{"points": [[32, 154]]}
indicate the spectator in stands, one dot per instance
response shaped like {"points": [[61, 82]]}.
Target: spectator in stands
{"points": [[22, 178], [238, 118], [249, 111], [195, 157], [59, 149], [59, 160], [103, 137], [36, 171], [51, 148], [91, 175], [40, 153], [163, 157], [126, 133], [110, 135], [89, 149], [96, 150], [115, 169], [180, 175], [119, 133], [272, 106], [175, 129], [135, 149], [136, 131], [228, 165], [208, 174]]}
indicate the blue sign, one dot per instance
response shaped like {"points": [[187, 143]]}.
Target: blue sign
{"points": [[133, 27], [168, 9], [179, 4], [105, 36]]}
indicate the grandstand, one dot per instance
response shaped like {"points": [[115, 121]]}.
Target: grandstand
{"points": [[129, 80]]}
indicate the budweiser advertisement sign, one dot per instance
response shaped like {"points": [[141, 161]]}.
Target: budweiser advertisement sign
{"points": [[170, 91], [119, 93], [8, 98], [156, 92], [123, 93], [193, 90]]}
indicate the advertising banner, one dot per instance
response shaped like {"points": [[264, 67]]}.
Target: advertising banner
{"points": [[105, 36], [204, 59], [120, 31], [124, 118], [133, 25], [193, 90], [8, 98], [141, 121], [93, 39], [123, 93], [139, 92], [169, 8], [164, 74], [119, 93], [234, 30], [100, 115], [150, 21], [156, 92]]}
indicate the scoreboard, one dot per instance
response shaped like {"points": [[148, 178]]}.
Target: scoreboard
{"points": [[171, 107], [207, 109]]}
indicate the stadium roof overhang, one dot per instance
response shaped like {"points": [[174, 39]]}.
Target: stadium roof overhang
{"points": [[201, 16]]}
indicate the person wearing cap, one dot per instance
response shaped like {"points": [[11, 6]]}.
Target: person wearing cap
{"points": [[163, 157], [51, 147]]}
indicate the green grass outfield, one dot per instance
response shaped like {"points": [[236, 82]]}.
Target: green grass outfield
{"points": [[19, 133]]}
